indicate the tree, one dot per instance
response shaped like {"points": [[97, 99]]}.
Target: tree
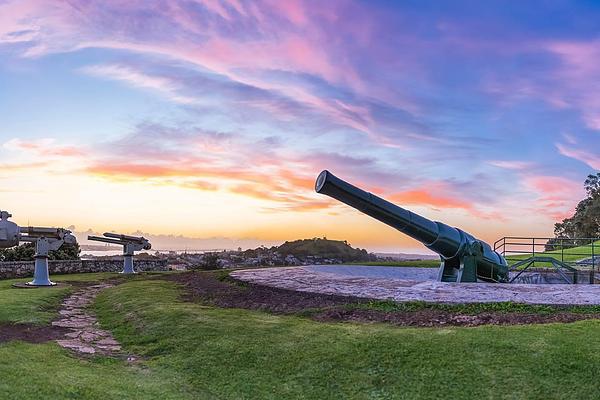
{"points": [[209, 261], [585, 222], [66, 252], [26, 252]]}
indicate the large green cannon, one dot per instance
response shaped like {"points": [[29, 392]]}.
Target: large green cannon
{"points": [[464, 258]]}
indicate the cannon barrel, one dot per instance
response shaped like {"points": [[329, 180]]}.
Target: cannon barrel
{"points": [[130, 245], [124, 237], [105, 240], [41, 231], [452, 244]]}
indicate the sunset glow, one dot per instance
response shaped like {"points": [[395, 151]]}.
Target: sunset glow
{"points": [[212, 118]]}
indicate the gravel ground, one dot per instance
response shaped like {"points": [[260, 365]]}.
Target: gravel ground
{"points": [[409, 284]]}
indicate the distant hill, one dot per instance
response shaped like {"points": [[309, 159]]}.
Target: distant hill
{"points": [[324, 248]]}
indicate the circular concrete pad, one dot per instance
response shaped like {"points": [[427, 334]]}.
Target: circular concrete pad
{"points": [[412, 284], [25, 285]]}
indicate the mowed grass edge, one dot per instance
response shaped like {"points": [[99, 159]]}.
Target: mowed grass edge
{"points": [[241, 354]]}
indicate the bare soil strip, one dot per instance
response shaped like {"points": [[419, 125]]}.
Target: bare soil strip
{"points": [[206, 288], [30, 333], [433, 318]]}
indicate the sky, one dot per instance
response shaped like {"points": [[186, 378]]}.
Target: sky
{"points": [[211, 119]]}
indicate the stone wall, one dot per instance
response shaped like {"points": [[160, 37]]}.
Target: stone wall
{"points": [[21, 269]]}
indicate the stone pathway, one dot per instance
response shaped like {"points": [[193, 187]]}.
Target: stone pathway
{"points": [[386, 283], [84, 335]]}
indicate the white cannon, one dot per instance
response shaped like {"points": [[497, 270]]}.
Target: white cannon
{"points": [[130, 245], [45, 239]]}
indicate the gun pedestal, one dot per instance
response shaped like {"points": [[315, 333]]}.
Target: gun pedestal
{"points": [[463, 268], [41, 276], [128, 264], [130, 245], [128, 252], [46, 240]]}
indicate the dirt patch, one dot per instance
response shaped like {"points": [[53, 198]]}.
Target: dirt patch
{"points": [[30, 333], [205, 287], [432, 318]]}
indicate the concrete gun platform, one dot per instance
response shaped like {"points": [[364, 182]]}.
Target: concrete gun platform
{"points": [[413, 284]]}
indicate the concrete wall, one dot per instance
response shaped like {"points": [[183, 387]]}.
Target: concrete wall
{"points": [[21, 269]]}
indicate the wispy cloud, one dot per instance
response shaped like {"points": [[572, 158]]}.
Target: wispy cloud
{"points": [[556, 196], [44, 147], [451, 109], [513, 164], [138, 79], [584, 155]]}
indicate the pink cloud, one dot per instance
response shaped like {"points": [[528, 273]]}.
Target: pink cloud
{"points": [[547, 185], [556, 196], [443, 196], [262, 41], [292, 10], [585, 156], [579, 67]]}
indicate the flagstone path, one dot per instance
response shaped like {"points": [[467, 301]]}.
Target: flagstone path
{"points": [[84, 335]]}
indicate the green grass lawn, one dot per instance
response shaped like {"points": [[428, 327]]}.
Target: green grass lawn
{"points": [[33, 306], [239, 354], [38, 306], [46, 371], [201, 352]]}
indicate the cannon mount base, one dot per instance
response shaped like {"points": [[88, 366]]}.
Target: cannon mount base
{"points": [[462, 267], [26, 285]]}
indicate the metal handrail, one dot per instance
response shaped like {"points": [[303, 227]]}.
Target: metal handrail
{"points": [[516, 246]]}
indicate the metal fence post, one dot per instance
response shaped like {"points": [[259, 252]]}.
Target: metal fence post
{"points": [[533, 250]]}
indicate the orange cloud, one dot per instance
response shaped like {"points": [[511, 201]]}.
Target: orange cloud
{"points": [[281, 186], [136, 170], [296, 180], [23, 166], [426, 197], [44, 147]]}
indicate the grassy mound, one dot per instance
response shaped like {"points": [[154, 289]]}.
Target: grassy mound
{"points": [[245, 354], [324, 248], [196, 351], [46, 371]]}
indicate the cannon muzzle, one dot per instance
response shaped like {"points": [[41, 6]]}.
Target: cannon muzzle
{"points": [[452, 244], [413, 225]]}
